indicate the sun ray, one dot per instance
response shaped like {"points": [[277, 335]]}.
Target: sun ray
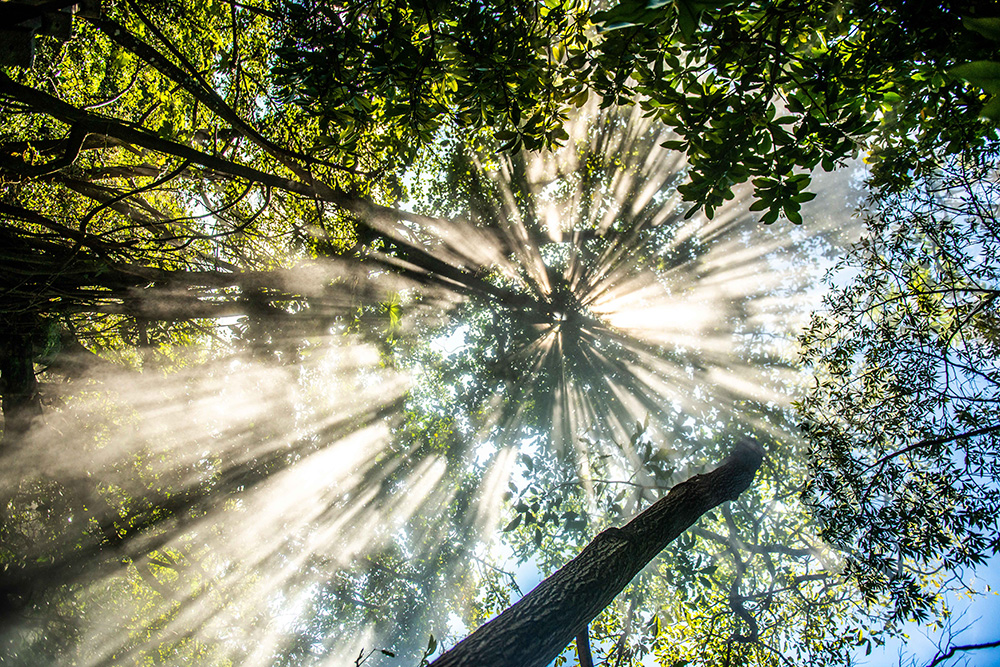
{"points": [[261, 499]]}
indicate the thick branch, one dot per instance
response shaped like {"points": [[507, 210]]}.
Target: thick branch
{"points": [[73, 144], [583, 649], [532, 632]]}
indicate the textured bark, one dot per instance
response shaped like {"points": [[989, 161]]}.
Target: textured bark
{"points": [[536, 629]]}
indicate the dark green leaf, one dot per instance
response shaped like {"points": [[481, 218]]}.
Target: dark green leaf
{"points": [[987, 27], [982, 73]]}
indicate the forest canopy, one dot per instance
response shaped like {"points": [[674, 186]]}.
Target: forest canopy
{"points": [[324, 323]]}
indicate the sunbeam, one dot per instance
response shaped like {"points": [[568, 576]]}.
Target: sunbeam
{"points": [[317, 485]]}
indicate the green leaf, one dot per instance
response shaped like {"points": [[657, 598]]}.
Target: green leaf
{"points": [[687, 18], [987, 27], [513, 145], [580, 98], [513, 524], [624, 15], [982, 73], [992, 110]]}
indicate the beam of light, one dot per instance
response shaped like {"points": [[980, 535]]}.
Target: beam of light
{"points": [[323, 499]]}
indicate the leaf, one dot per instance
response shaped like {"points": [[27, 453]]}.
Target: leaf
{"points": [[987, 27], [688, 17], [513, 524], [513, 145], [992, 110], [388, 653], [624, 15], [982, 73]]}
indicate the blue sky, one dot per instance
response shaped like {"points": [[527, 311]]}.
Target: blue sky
{"points": [[982, 616]]}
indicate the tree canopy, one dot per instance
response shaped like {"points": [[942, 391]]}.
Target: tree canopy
{"points": [[761, 91]]}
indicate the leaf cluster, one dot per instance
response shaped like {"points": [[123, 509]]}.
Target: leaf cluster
{"points": [[408, 68]]}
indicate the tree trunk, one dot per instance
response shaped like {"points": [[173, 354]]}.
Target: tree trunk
{"points": [[536, 629], [21, 402]]}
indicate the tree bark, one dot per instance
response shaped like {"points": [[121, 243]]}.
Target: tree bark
{"points": [[536, 629]]}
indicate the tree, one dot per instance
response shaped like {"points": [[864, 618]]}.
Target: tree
{"points": [[535, 630], [155, 180], [811, 84], [158, 183], [748, 583], [152, 511], [413, 68], [902, 421]]}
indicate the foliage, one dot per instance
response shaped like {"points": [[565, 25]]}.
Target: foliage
{"points": [[983, 73], [151, 184], [409, 68], [761, 91], [150, 178], [903, 420]]}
